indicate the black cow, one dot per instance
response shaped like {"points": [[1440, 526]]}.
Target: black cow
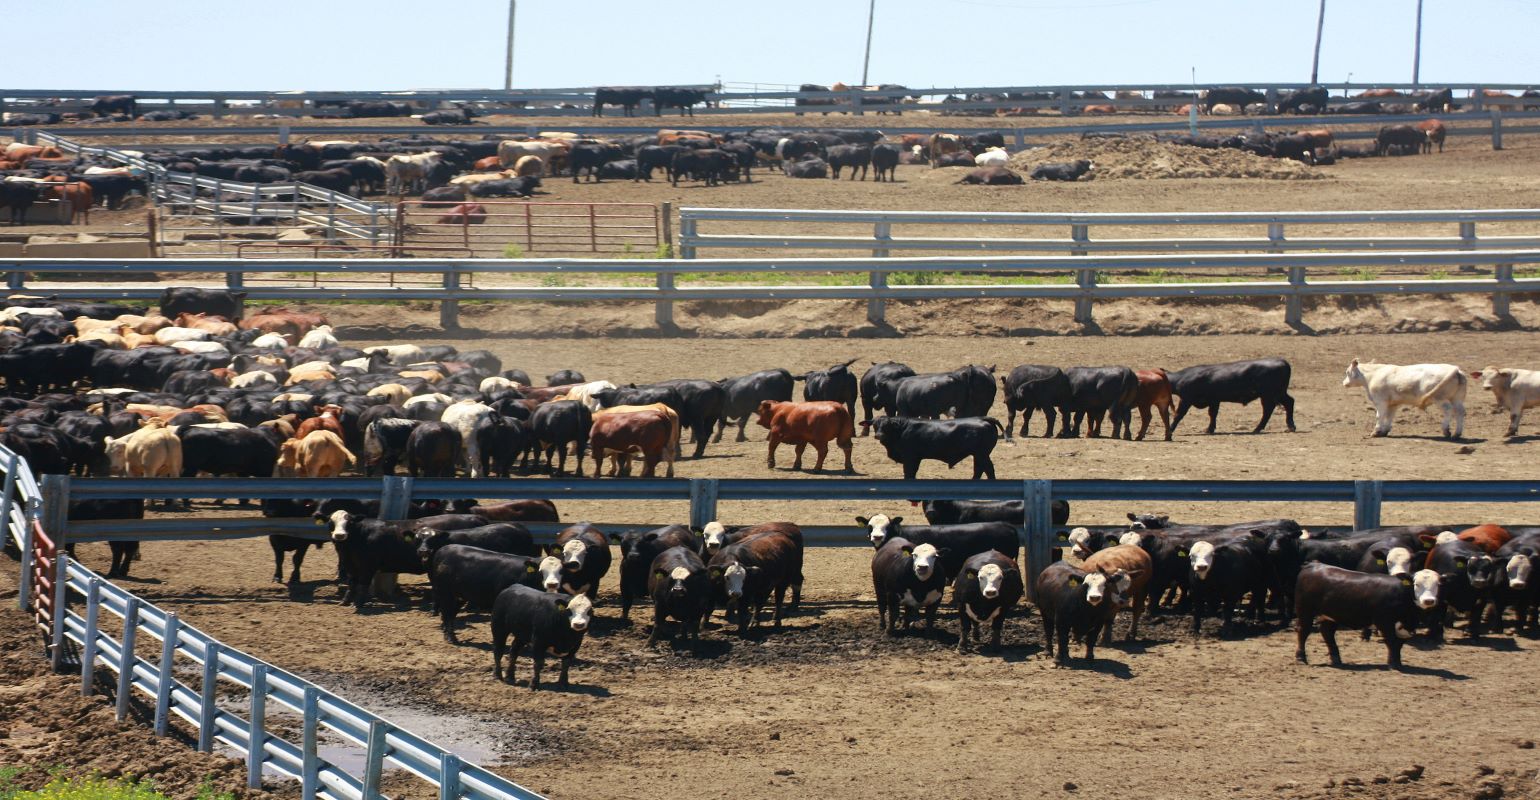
{"points": [[41, 367], [627, 99], [498, 537], [1094, 391], [19, 197], [592, 156], [556, 424], [1440, 100], [433, 449], [1467, 575], [563, 377], [1222, 574], [992, 176], [637, 551], [242, 453], [666, 97], [1344, 598], [553, 623], [1062, 171], [385, 440], [449, 116], [744, 394], [709, 165], [1365, 107], [910, 441], [1236, 96], [837, 383], [1071, 600], [621, 170], [653, 157], [1516, 580], [1208, 385], [523, 186], [808, 166], [337, 179], [1399, 140], [944, 512], [681, 590], [964, 392], [985, 591], [108, 104], [701, 407], [463, 575], [501, 439], [956, 543], [585, 558], [1297, 147], [110, 190], [906, 577], [124, 553], [745, 573], [854, 156], [877, 389], [218, 302], [1310, 100], [1031, 387], [885, 158]]}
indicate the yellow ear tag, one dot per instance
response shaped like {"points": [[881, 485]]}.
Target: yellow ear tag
{"points": [[1380, 561], [1074, 581]]}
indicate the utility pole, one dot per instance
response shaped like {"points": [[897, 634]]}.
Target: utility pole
{"points": [[513, 6], [1417, 47], [871, 14], [1315, 63]]}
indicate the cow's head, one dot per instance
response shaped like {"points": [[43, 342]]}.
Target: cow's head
{"points": [[117, 454], [1354, 375], [1080, 542], [1093, 586], [765, 412], [730, 578], [1201, 556], [573, 554], [1150, 521], [1493, 378], [342, 523], [1445, 537], [880, 528], [677, 580], [1398, 561], [991, 578], [1425, 588], [1482, 569], [579, 611], [1134, 538], [1121, 582], [715, 536], [1518, 569], [550, 573], [925, 559]]}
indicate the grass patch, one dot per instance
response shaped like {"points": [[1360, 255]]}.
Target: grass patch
{"points": [[93, 787], [1358, 273]]}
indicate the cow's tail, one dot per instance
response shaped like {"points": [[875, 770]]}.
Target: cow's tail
{"points": [[1460, 381], [1001, 427]]}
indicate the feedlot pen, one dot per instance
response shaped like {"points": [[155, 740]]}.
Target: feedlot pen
{"points": [[502, 229]]}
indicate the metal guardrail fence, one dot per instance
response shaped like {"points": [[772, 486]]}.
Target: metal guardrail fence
{"points": [[261, 746], [497, 228]]}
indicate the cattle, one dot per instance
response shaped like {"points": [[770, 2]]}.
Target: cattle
{"points": [[556, 424], [910, 441], [153, 451], [584, 553], [680, 588], [506, 187], [652, 434], [666, 97], [906, 577], [433, 450], [551, 623], [454, 116], [215, 302], [1490, 538], [1132, 560], [964, 392], [1288, 548], [1393, 140], [956, 543], [1440, 100], [942, 144], [1236, 96], [813, 101], [944, 512], [743, 395], [318, 454], [837, 384], [464, 416], [109, 104], [1031, 387], [1098, 391], [498, 537], [652, 157], [591, 157], [627, 99], [237, 452], [1343, 598], [709, 165], [517, 511], [992, 157], [1072, 171], [385, 443], [745, 573], [464, 214], [1513, 390], [991, 176], [877, 386], [638, 549], [367, 547], [1071, 600], [550, 153], [1154, 391], [1310, 100], [807, 423], [462, 575], [808, 166], [1208, 385], [409, 173], [885, 158], [1222, 575], [1390, 386], [1517, 584], [124, 553], [987, 587], [1433, 132], [854, 156], [700, 407]]}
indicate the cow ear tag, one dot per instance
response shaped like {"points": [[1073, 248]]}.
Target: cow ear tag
{"points": [[909, 551], [561, 605], [1460, 562], [973, 574], [1063, 536], [1181, 553], [530, 567], [1380, 561], [1405, 581], [1074, 581]]}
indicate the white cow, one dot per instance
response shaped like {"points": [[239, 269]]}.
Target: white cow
{"points": [[319, 338], [992, 157], [257, 379], [175, 334], [400, 354], [464, 416], [14, 314], [432, 397], [509, 152], [496, 383], [202, 348], [1513, 389], [584, 393], [271, 341], [409, 172], [1390, 386]]}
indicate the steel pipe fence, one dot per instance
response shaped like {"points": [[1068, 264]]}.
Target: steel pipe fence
{"points": [[50, 579], [500, 227]]}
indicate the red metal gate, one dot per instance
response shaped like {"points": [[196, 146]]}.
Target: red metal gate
{"points": [[45, 556]]}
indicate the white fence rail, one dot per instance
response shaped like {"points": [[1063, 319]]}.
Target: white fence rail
{"points": [[266, 687]]}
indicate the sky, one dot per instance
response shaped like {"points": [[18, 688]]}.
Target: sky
{"points": [[408, 44]]}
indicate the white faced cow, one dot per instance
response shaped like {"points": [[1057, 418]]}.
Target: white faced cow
{"points": [[1420, 385], [1513, 389], [880, 527]]}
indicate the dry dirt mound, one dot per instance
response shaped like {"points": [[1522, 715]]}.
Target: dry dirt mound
{"points": [[1147, 158]]}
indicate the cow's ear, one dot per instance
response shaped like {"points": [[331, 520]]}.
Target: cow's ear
{"points": [[895, 520], [1073, 581], [530, 567], [1181, 553], [972, 575], [696, 529], [615, 538], [755, 570], [658, 573], [863, 521], [1062, 536], [1405, 581], [1460, 562], [1132, 517], [553, 550], [716, 572], [561, 605], [908, 551]]}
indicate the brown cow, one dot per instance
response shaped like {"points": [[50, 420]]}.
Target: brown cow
{"points": [[1131, 559], [76, 194], [213, 323], [1317, 138], [809, 423], [941, 144], [320, 454], [646, 432], [283, 320], [518, 511], [465, 214], [1154, 390], [667, 136], [1488, 537], [328, 418], [488, 164], [1435, 131]]}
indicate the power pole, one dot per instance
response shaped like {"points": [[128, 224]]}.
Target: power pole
{"points": [[513, 6], [1315, 63], [871, 14], [1417, 47]]}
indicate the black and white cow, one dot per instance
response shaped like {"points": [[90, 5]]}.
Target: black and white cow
{"points": [[907, 577], [553, 623], [986, 590]]}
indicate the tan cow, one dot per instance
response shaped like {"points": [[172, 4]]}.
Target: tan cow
{"points": [[941, 144], [393, 392], [321, 454], [153, 451], [528, 166]]}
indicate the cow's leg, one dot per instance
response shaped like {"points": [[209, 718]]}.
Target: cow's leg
{"points": [[1144, 422], [911, 469], [1010, 421], [846, 446], [1459, 420], [801, 448], [1514, 415], [1165, 419], [299, 561], [1302, 631], [1213, 417], [1049, 415], [1329, 633], [983, 465], [499, 645], [822, 448], [278, 561], [1383, 415], [774, 443], [1267, 414], [1181, 411]]}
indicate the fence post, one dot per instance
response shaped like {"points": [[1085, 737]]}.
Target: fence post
{"points": [[395, 497], [256, 731], [1497, 127], [1468, 237], [166, 679], [686, 236], [310, 758], [1037, 497], [1085, 278], [374, 758], [6, 501], [1294, 305], [1504, 276], [208, 708], [1367, 498], [126, 657], [15, 279], [1020, 138], [703, 501], [876, 307], [449, 310], [88, 650], [449, 776], [57, 510], [663, 309], [283, 133], [666, 223]]}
